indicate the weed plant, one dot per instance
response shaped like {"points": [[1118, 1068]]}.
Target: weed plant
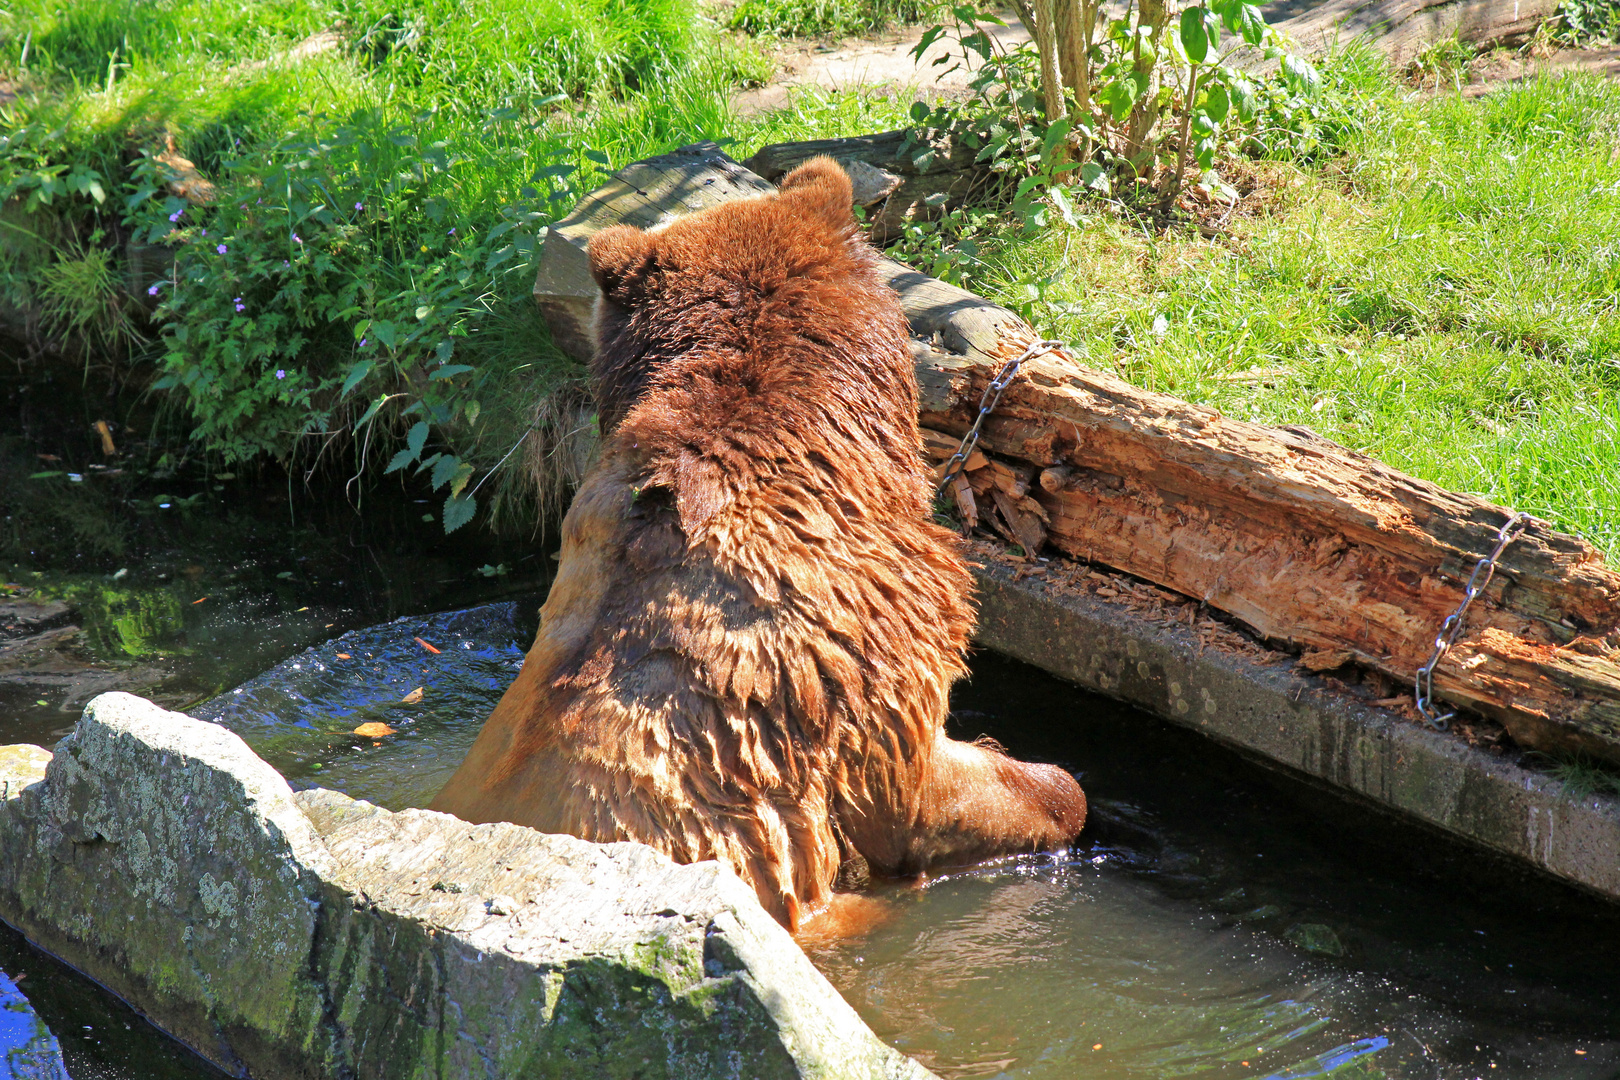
{"points": [[825, 18]]}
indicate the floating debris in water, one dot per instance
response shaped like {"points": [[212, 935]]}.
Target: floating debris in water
{"points": [[413, 697], [1316, 938], [375, 729], [426, 646]]}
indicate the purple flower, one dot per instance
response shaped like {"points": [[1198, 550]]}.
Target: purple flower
{"points": [[362, 343], [296, 239], [359, 206], [285, 264], [152, 291], [176, 215], [205, 232], [239, 305], [281, 373], [220, 249], [452, 232]]}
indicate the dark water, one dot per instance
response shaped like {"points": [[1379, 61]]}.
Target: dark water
{"points": [[1218, 920]]}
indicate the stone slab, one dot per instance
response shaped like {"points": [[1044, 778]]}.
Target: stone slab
{"points": [[313, 935], [1273, 712]]}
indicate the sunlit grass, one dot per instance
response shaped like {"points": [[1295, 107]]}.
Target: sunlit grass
{"points": [[1443, 298]]}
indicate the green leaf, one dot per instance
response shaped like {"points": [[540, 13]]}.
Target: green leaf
{"points": [[471, 411], [445, 468], [919, 111], [458, 482], [356, 373], [602, 160], [399, 461], [1055, 134], [1301, 74], [1095, 177], [369, 413], [416, 438], [458, 511], [1243, 96], [1118, 97], [1217, 103], [1064, 209], [386, 332], [1194, 34], [449, 371], [1252, 24]]}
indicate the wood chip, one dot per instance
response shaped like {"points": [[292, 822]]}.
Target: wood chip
{"points": [[426, 646], [1319, 660], [344, 656], [375, 729]]}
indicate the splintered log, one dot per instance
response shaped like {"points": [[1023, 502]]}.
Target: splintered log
{"points": [[1399, 28], [1313, 545]]}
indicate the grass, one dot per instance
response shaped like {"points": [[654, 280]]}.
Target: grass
{"points": [[1441, 292], [824, 18], [379, 207], [1443, 296]]}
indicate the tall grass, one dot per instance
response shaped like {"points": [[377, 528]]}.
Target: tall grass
{"points": [[1443, 297]]}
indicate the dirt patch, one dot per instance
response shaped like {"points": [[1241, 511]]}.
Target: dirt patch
{"points": [[869, 63]]}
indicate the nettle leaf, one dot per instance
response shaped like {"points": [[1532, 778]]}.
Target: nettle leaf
{"points": [[445, 468], [919, 110], [458, 482], [449, 371], [1065, 210], [1118, 97], [416, 438], [386, 332], [1095, 177], [1054, 136], [458, 511], [1301, 74], [356, 373], [1243, 96], [399, 461]]}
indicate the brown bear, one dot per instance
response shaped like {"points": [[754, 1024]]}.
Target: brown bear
{"points": [[747, 651]]}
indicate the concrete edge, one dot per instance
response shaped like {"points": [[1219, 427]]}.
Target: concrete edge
{"points": [[1274, 712]]}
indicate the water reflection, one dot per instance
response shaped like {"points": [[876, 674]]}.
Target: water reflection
{"points": [[1218, 920], [28, 1050]]}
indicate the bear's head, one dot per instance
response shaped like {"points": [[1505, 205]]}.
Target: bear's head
{"points": [[700, 281]]}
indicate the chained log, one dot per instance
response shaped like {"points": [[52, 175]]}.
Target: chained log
{"points": [[1314, 546]]}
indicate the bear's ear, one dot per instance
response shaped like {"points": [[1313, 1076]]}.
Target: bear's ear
{"points": [[822, 187], [617, 255]]}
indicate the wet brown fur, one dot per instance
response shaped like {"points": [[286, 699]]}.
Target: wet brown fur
{"points": [[747, 652]]}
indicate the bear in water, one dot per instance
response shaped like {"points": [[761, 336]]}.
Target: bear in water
{"points": [[748, 649]]}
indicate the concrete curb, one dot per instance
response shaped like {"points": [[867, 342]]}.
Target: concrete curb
{"points": [[1273, 712], [285, 936]]}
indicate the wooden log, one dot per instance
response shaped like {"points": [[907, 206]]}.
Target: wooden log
{"points": [[1398, 28], [922, 170], [1312, 545]]}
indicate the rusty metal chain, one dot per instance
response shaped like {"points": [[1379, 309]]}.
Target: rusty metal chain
{"points": [[1477, 581], [987, 405]]}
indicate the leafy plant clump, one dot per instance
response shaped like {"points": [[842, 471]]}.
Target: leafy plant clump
{"points": [[1587, 22], [824, 18]]}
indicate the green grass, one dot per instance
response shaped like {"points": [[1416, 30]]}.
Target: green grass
{"points": [[365, 271], [1443, 297], [824, 18]]}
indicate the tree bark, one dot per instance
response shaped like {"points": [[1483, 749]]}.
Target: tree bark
{"points": [[1312, 545]]}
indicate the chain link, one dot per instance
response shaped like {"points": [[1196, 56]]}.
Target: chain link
{"points": [[987, 405], [1452, 627]]}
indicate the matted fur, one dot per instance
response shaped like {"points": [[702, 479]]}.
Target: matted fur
{"points": [[748, 649]]}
